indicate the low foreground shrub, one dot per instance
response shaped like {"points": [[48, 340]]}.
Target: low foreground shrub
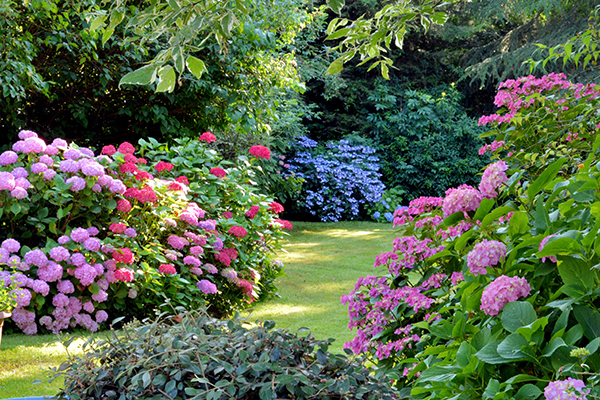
{"points": [[97, 236], [204, 358], [491, 292]]}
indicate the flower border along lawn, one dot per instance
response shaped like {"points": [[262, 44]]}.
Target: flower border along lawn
{"points": [[323, 261]]}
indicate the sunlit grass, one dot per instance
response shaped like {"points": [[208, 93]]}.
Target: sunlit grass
{"points": [[322, 263]]}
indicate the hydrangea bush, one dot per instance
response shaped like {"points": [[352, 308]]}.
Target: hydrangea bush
{"points": [[97, 236], [338, 178], [491, 292]]}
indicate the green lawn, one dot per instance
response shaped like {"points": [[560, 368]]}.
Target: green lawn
{"points": [[322, 262]]}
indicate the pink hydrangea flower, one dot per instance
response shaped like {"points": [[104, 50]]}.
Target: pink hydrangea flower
{"points": [[68, 165], [192, 260], [109, 150], [51, 272], [126, 148], [569, 389], [207, 286], [124, 206], [119, 227], [485, 254], [49, 174], [208, 137], [18, 193], [260, 152], [251, 213], [502, 291], [542, 244], [79, 235], [464, 198], [101, 316], [177, 242], [33, 145], [124, 275], [7, 181], [86, 274], [493, 177], [218, 172], [123, 255], [167, 269], [211, 269], [92, 244], [36, 257], [66, 287], [8, 157], [238, 231], [11, 245]]}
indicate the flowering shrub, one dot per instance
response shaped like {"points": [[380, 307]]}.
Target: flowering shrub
{"points": [[119, 233], [339, 178], [491, 292], [383, 210]]}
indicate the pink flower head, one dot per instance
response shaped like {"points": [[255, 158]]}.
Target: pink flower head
{"points": [[207, 287], [65, 287], [218, 172], [238, 231], [182, 179], [123, 255], [251, 213], [71, 166], [260, 152], [117, 227], [464, 198], [33, 145], [130, 232], [207, 137], [109, 150], [177, 242], [59, 253], [60, 143], [18, 193], [7, 181], [128, 167], [223, 258], [284, 224], [162, 166], [92, 244], [36, 257], [91, 168], [485, 254], [502, 291], [77, 183], [196, 250], [124, 275], [80, 235], [8, 157], [275, 207], [569, 389], [26, 134], [11, 245], [124, 206], [101, 316], [493, 177], [49, 174], [39, 168], [126, 148], [227, 215], [542, 244], [246, 287], [167, 269]]}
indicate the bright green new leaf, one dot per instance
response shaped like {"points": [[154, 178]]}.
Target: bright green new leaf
{"points": [[166, 79], [196, 66], [335, 68], [142, 76]]}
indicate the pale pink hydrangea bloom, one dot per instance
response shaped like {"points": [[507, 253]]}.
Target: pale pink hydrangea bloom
{"points": [[485, 254], [464, 198], [542, 244], [7, 181], [502, 291], [207, 286], [493, 177]]}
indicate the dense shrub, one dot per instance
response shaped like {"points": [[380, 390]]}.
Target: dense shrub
{"points": [[426, 141], [492, 292], [383, 210], [202, 358], [338, 178], [117, 234]]}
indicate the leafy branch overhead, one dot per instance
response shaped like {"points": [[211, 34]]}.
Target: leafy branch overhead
{"points": [[371, 38]]}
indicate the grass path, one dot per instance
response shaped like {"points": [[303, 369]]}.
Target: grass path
{"points": [[322, 262]]}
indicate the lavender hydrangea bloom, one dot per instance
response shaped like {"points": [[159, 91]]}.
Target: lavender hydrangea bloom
{"points": [[79, 235], [78, 183], [7, 181], [20, 172], [36, 257], [18, 193], [11, 245], [485, 254], [59, 253], [207, 286], [8, 157], [493, 177], [569, 389]]}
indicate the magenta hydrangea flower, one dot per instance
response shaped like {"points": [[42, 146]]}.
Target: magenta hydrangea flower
{"points": [[493, 177], [238, 231], [86, 274], [49, 174], [130, 232], [40, 287], [207, 286], [569, 389], [485, 254], [71, 166], [176, 242], [92, 244], [124, 206], [8, 157], [502, 291], [101, 316], [211, 269], [36, 257], [7, 181], [79, 235], [11, 245], [78, 183], [59, 253], [33, 145], [39, 168], [18, 193], [51, 272], [464, 198], [124, 275], [66, 287]]}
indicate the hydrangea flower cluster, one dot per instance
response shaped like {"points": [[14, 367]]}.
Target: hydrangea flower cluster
{"points": [[339, 178], [502, 291], [492, 178], [569, 389], [464, 198], [486, 253]]}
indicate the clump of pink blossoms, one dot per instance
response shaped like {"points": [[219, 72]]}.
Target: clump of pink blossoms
{"points": [[502, 291], [493, 177], [569, 389], [464, 198], [485, 254]]}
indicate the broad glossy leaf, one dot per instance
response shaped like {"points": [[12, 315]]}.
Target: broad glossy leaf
{"points": [[517, 314], [589, 319]]}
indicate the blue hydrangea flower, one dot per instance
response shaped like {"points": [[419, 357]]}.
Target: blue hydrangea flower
{"points": [[376, 215]]}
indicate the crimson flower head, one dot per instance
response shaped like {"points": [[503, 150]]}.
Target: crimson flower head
{"points": [[126, 148], [123, 255], [227, 215], [175, 186], [218, 172], [260, 152], [167, 269], [161, 166], [238, 231], [207, 137], [124, 275], [275, 207], [284, 224], [251, 213], [128, 167], [183, 179], [109, 150]]}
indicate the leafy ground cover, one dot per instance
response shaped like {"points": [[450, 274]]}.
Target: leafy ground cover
{"points": [[323, 261]]}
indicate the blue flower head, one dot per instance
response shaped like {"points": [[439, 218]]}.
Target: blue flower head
{"points": [[376, 215], [388, 216]]}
